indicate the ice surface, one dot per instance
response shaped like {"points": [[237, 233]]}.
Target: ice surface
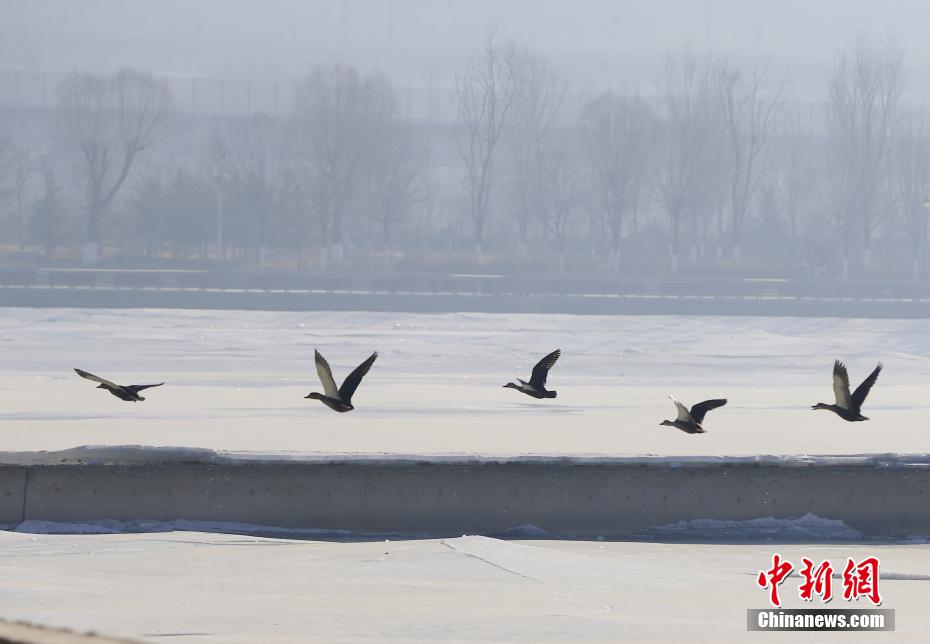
{"points": [[236, 381], [194, 587]]}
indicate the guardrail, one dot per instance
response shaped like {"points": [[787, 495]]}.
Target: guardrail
{"points": [[450, 283], [415, 293]]}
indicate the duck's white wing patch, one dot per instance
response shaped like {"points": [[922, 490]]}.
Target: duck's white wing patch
{"points": [[326, 376], [683, 413], [102, 381], [841, 385]]}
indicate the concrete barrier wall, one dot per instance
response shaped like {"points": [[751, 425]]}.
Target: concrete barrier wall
{"points": [[578, 497], [12, 493]]}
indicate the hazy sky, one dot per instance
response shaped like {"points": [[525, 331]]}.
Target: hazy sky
{"points": [[598, 43]]}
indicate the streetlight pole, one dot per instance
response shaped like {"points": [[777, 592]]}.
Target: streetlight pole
{"points": [[219, 178], [920, 254], [220, 248]]}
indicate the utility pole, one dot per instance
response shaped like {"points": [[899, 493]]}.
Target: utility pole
{"points": [[220, 248]]}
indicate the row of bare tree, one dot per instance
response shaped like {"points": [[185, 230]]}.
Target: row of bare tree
{"points": [[716, 148], [717, 153]]}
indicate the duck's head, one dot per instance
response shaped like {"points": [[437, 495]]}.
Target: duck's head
{"points": [[667, 423], [101, 386], [314, 395], [510, 385], [820, 406]]}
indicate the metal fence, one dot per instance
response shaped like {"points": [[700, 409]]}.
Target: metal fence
{"points": [[217, 96]]}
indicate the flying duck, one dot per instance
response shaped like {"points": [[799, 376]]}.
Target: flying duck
{"points": [[849, 407], [129, 393], [690, 421], [536, 387], [339, 399]]}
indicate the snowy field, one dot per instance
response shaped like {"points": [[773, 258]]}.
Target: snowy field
{"points": [[194, 587], [236, 381]]}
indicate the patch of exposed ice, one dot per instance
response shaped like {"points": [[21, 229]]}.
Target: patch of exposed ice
{"points": [[525, 531], [110, 526], [804, 528]]}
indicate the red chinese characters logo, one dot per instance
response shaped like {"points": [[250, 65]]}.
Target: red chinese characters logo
{"points": [[859, 579], [774, 576], [816, 581]]}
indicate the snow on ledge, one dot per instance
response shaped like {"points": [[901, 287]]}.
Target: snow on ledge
{"points": [[140, 454], [808, 528]]}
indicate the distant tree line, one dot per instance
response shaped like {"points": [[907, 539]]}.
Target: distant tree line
{"points": [[715, 175]]}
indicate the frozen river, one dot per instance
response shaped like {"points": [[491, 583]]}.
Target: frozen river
{"points": [[192, 587], [236, 381]]}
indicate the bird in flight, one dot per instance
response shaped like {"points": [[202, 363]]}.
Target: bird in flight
{"points": [[849, 406], [128, 393], [339, 399], [536, 387], [689, 421]]}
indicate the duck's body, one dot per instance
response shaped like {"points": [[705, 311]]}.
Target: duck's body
{"points": [[849, 406], [528, 389], [129, 393], [689, 420], [536, 387], [333, 403], [339, 399]]}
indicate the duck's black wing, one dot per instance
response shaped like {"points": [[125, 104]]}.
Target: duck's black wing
{"points": [[102, 381], [350, 384], [862, 390], [541, 370], [699, 410], [138, 388]]}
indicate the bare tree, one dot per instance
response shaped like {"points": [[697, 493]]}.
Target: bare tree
{"points": [[111, 120], [335, 113], [7, 164], [796, 175], [538, 98], [910, 163], [563, 192], [172, 205], [619, 135], [682, 168], [864, 94], [24, 169], [17, 167], [46, 226], [246, 152], [748, 112], [485, 96], [394, 179]]}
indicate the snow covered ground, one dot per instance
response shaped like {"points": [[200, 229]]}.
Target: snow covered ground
{"points": [[236, 381], [195, 587]]}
